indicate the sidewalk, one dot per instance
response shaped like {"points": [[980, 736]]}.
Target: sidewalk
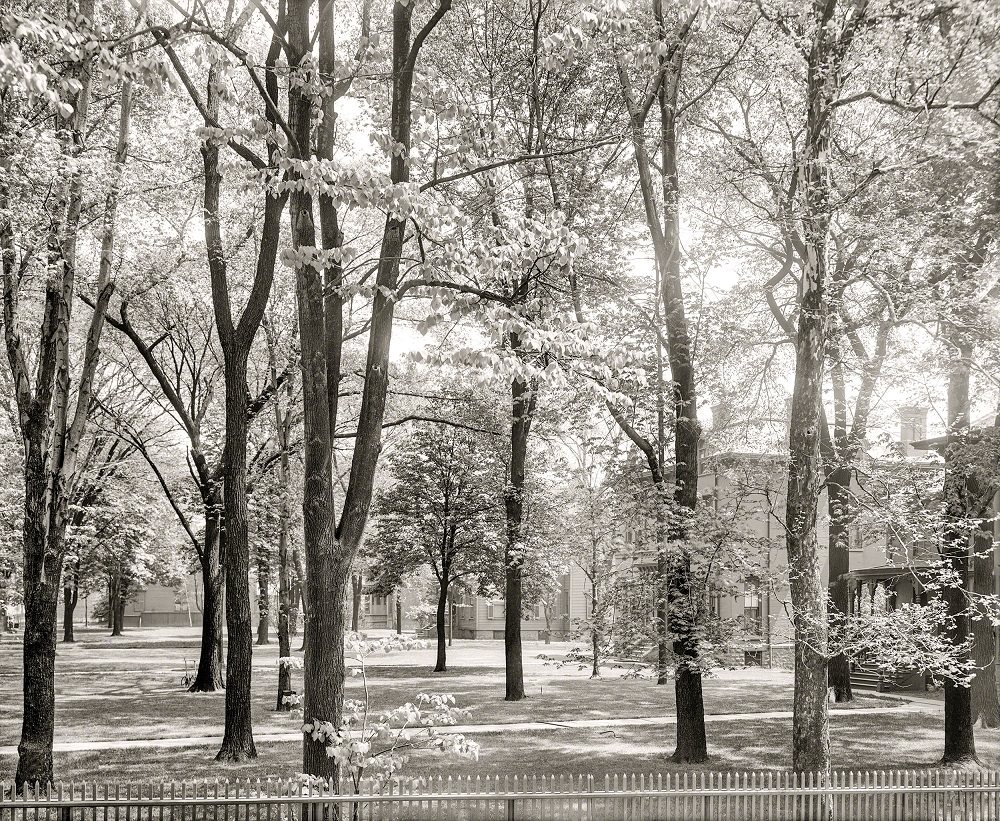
{"points": [[915, 705]]}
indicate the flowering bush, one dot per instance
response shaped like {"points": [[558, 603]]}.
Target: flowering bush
{"points": [[375, 745]]}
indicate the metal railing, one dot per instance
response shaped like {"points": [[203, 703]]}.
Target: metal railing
{"points": [[896, 795]]}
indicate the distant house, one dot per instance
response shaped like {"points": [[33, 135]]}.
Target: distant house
{"points": [[160, 606], [879, 565], [381, 612], [478, 617]]}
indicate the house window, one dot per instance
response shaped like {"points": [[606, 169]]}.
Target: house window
{"points": [[751, 609], [495, 610]]}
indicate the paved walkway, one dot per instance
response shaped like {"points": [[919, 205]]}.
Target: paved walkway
{"points": [[915, 705]]}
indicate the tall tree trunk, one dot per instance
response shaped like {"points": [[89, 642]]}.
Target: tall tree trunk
{"points": [[595, 637], [284, 612], [838, 502], [399, 615], [282, 421], [50, 429], [323, 586], [661, 606], [117, 605], [284, 587], [691, 739], [71, 595], [985, 702], [357, 590], [299, 591], [959, 725], [120, 612], [440, 665], [831, 38], [34, 750], [295, 595], [675, 609], [523, 397], [236, 337], [330, 548], [263, 602], [810, 720], [208, 678], [237, 742]]}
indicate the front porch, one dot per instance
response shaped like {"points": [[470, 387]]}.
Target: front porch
{"points": [[885, 587]]}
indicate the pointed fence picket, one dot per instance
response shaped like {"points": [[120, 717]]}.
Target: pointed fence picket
{"points": [[889, 795]]}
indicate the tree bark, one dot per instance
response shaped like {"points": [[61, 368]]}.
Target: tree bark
{"points": [[117, 605], [237, 741], [810, 720], [35, 748], [208, 678], [675, 612], [441, 664], [282, 421], [263, 602], [236, 338], [357, 588], [959, 725], [523, 398], [595, 638], [838, 501], [323, 582], [293, 608], [985, 701], [284, 612], [71, 595]]}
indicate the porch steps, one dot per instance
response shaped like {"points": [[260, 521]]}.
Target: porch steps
{"points": [[873, 680]]}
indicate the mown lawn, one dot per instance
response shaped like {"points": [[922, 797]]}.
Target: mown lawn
{"points": [[887, 741], [130, 688]]}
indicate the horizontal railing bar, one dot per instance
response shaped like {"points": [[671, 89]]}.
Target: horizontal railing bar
{"points": [[498, 796]]}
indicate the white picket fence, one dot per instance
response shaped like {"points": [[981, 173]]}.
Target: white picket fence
{"points": [[893, 795]]}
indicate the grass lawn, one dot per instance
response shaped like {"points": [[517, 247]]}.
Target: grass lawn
{"points": [[906, 741], [130, 688]]}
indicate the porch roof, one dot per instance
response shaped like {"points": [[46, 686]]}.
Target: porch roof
{"points": [[888, 571]]}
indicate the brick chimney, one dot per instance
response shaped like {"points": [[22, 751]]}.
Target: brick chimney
{"points": [[912, 427]]}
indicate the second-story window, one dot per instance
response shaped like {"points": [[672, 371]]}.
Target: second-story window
{"points": [[751, 609]]}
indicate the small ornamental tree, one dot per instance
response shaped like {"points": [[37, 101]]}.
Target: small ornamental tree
{"points": [[441, 508], [374, 746]]}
